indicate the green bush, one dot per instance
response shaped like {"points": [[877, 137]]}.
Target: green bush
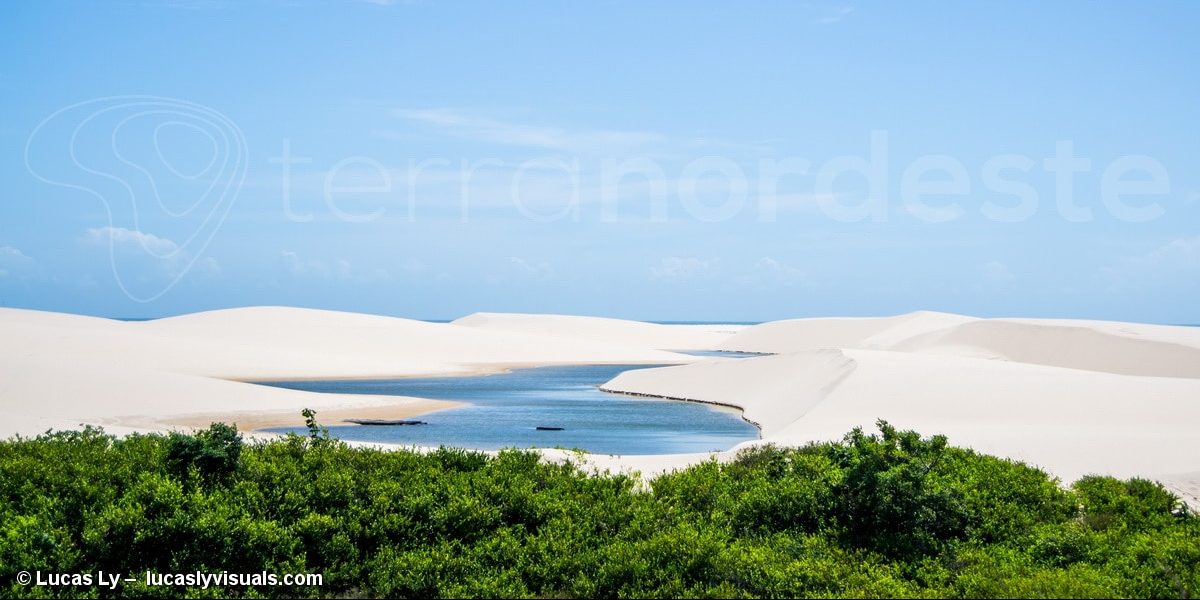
{"points": [[212, 453], [885, 515]]}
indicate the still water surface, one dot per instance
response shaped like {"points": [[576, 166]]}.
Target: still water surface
{"points": [[505, 410]]}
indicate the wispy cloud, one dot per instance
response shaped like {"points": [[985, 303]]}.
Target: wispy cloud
{"points": [[1177, 261], [540, 269], [778, 273], [13, 262], [1179, 253], [678, 268], [833, 14], [482, 129], [340, 270], [519, 269], [120, 236], [770, 273], [131, 246]]}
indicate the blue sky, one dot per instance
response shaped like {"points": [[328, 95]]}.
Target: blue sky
{"points": [[678, 161]]}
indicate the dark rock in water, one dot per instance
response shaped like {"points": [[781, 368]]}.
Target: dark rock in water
{"points": [[540, 428], [384, 422]]}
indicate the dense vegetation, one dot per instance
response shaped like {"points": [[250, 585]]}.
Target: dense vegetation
{"points": [[874, 515]]}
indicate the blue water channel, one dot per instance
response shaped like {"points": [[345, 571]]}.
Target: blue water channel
{"points": [[505, 410]]}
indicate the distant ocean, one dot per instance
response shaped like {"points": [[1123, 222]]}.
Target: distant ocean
{"points": [[449, 320], [707, 322], [658, 322]]}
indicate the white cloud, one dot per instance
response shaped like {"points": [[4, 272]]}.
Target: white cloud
{"points": [[208, 266], [834, 14], [1176, 262], [675, 268], [540, 269], [119, 236], [517, 268], [134, 248], [298, 266], [13, 262], [471, 127], [772, 271], [339, 270], [768, 272], [1183, 253]]}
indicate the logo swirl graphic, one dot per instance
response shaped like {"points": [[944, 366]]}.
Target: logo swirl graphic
{"points": [[126, 151]]}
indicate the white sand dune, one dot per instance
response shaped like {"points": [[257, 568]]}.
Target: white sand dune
{"points": [[59, 370], [755, 385], [390, 345], [1073, 397], [254, 352], [264, 343], [1070, 421], [1095, 346], [793, 335], [615, 331], [47, 394], [1112, 347]]}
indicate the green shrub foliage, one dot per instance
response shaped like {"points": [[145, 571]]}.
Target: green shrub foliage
{"points": [[884, 515], [210, 454]]}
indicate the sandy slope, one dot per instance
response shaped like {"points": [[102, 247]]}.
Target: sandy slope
{"points": [[1125, 348], [1095, 346], [284, 343], [615, 331], [1074, 397], [357, 345], [770, 400], [59, 370], [43, 393], [792, 335]]}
